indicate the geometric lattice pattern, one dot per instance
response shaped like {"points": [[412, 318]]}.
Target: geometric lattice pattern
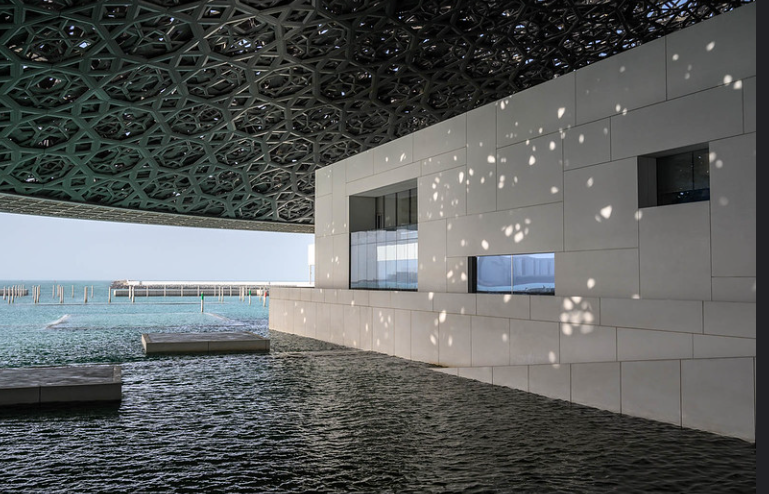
{"points": [[225, 109]]}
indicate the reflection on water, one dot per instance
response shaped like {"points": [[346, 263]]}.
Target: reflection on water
{"points": [[315, 417]]}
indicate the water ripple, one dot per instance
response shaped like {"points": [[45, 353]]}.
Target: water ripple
{"points": [[315, 417]]}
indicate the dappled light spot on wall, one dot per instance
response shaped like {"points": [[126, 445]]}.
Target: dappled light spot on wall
{"points": [[431, 296], [577, 310], [604, 213], [485, 244], [551, 357], [590, 283], [589, 182], [442, 316], [713, 158], [572, 329], [710, 46], [433, 340], [638, 215], [554, 190], [561, 112]]}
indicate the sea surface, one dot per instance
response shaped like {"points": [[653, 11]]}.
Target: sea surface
{"points": [[312, 417]]}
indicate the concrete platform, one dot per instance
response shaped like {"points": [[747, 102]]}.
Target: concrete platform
{"points": [[245, 342], [70, 384]]}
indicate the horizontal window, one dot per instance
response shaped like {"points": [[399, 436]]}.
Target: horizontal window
{"points": [[531, 274]]}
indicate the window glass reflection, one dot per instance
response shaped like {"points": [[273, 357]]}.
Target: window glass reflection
{"points": [[531, 274], [494, 274], [534, 274], [384, 259]]}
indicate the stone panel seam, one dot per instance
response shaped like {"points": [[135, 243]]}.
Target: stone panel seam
{"points": [[681, 392]]}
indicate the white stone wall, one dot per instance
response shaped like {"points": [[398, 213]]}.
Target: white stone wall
{"points": [[654, 313]]}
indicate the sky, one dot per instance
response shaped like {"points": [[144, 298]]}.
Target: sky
{"points": [[47, 248]]}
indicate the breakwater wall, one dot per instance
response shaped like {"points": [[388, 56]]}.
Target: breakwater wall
{"points": [[175, 291], [128, 288]]}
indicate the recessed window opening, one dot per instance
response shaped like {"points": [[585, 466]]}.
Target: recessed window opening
{"points": [[529, 274], [384, 240], [674, 178]]}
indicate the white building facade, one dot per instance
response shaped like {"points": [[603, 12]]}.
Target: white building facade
{"points": [[654, 306]]}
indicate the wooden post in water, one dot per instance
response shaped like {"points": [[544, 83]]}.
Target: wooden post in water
{"points": [[91, 291], [201, 302], [73, 291], [164, 291], [181, 292], [109, 295], [85, 294]]}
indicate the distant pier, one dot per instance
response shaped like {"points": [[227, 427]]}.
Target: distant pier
{"points": [[128, 288]]}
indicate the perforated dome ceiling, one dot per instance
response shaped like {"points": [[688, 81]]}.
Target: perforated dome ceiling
{"points": [[218, 113]]}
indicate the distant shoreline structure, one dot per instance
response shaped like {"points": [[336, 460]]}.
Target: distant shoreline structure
{"points": [[171, 288]]}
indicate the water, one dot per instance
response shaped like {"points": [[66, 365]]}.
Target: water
{"points": [[315, 417]]}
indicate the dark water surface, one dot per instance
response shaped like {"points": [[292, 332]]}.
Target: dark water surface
{"points": [[315, 417]]}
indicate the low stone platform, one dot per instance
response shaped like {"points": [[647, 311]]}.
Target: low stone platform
{"points": [[204, 343], [38, 385]]}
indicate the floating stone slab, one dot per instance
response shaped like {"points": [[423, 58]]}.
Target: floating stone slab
{"points": [[233, 342], [70, 384]]}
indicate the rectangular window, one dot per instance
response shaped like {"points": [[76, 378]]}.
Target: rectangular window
{"points": [[674, 178], [529, 274], [385, 258]]}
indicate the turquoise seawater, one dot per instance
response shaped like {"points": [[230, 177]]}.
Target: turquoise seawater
{"points": [[312, 417], [107, 329]]}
